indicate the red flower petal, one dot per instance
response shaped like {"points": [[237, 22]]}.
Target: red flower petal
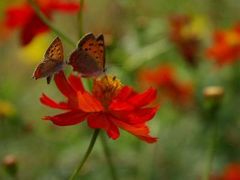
{"points": [[148, 139], [124, 93], [135, 100], [120, 106], [139, 130], [137, 116], [143, 99], [88, 103], [18, 15], [68, 118], [65, 88], [33, 27], [51, 103], [65, 7], [100, 120], [119, 103], [76, 82], [232, 172]]}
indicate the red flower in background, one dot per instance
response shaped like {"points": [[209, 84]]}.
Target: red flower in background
{"points": [[231, 172], [226, 46], [110, 106], [164, 79], [4, 32], [23, 16], [187, 43]]}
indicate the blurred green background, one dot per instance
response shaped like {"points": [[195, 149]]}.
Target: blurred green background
{"points": [[137, 38]]}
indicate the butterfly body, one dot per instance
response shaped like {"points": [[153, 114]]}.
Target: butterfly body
{"points": [[89, 57], [52, 63]]}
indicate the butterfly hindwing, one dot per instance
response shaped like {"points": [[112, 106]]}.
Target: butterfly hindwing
{"points": [[84, 64], [47, 68]]}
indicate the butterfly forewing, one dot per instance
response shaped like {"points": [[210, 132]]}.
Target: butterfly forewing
{"points": [[55, 51]]}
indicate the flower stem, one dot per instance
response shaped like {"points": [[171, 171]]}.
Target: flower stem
{"points": [[211, 151], [108, 157], [49, 24], [89, 150], [80, 18]]}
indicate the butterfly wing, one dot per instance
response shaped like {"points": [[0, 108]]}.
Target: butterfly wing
{"points": [[47, 68], [55, 51], [89, 58], [101, 51], [53, 61]]}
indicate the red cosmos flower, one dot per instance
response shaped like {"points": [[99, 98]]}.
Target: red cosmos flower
{"points": [[164, 79], [231, 172], [24, 17], [226, 46], [110, 106], [187, 43]]}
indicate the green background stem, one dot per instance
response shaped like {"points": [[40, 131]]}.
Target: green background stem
{"points": [[211, 149], [80, 19], [85, 157], [108, 156], [49, 24]]}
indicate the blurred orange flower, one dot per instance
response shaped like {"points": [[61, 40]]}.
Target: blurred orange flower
{"points": [[226, 46], [109, 107], [23, 17], [231, 172], [165, 80], [185, 40], [4, 32]]}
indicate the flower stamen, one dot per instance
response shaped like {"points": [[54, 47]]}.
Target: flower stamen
{"points": [[106, 88]]}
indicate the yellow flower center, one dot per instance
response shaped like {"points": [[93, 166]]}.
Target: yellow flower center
{"points": [[106, 88]]}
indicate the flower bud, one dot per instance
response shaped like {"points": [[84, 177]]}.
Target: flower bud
{"points": [[213, 96], [213, 92], [10, 164]]}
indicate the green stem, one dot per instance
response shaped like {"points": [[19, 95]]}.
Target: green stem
{"points": [[49, 24], [89, 150], [211, 151], [80, 19], [108, 157]]}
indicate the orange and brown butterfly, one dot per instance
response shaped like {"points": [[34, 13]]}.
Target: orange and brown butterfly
{"points": [[53, 61], [89, 57]]}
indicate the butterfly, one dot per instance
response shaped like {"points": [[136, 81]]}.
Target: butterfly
{"points": [[89, 57], [52, 63]]}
